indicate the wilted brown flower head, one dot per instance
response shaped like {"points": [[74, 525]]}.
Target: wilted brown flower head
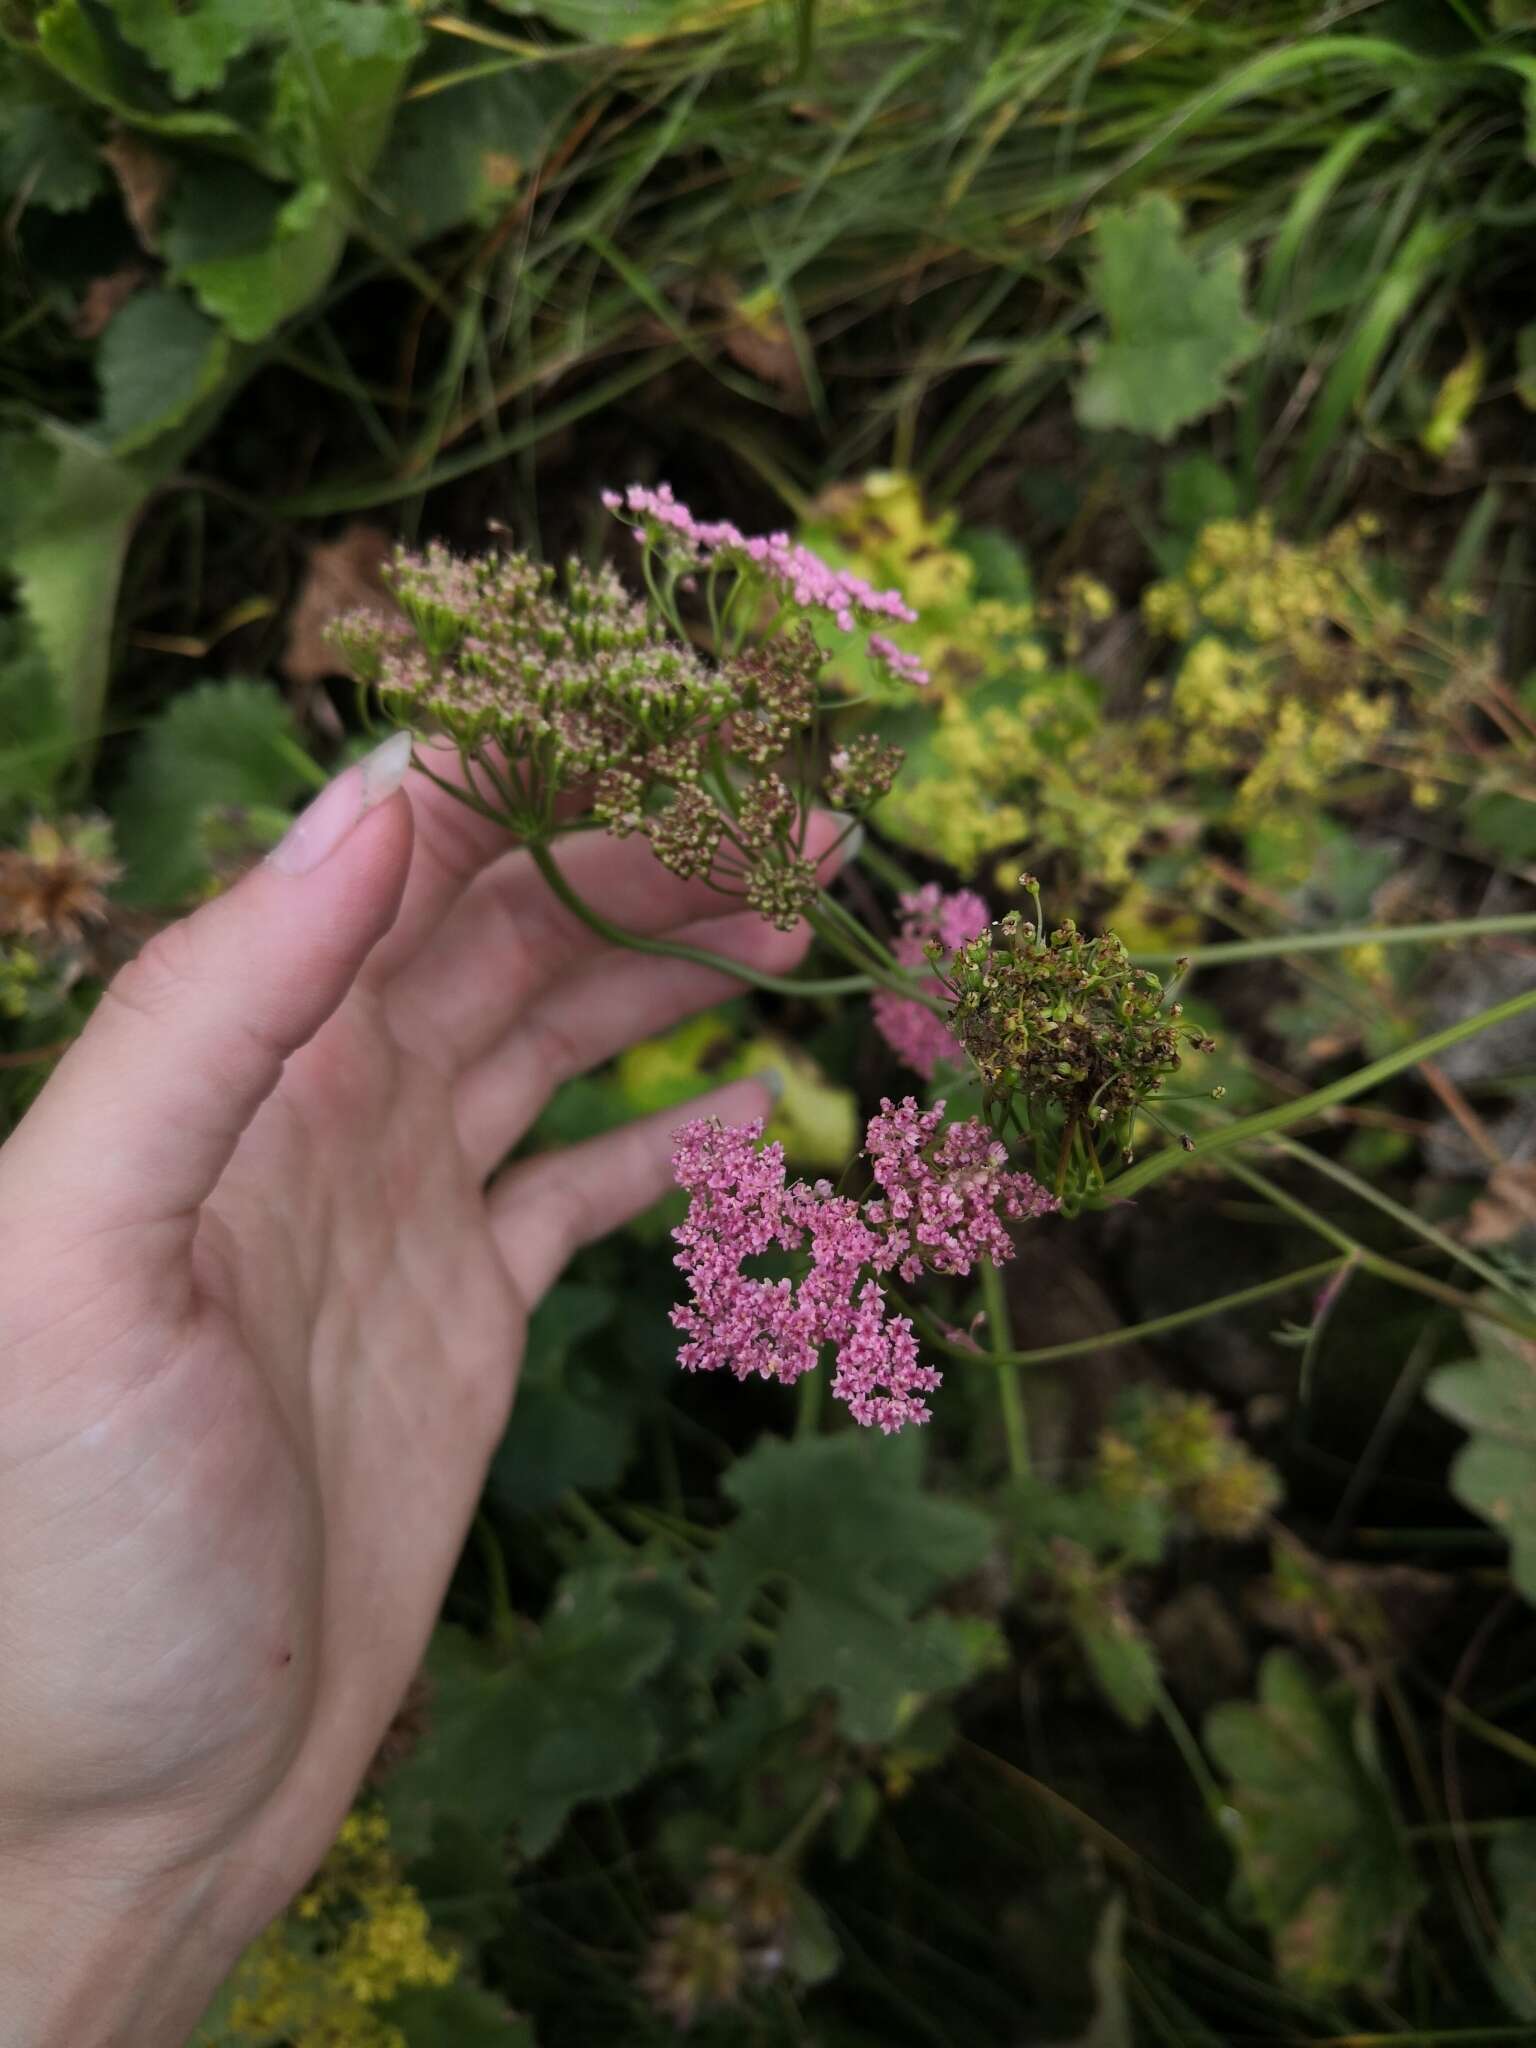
{"points": [[53, 885], [553, 686]]}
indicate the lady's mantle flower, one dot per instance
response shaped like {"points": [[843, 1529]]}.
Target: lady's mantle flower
{"points": [[938, 1206], [931, 916]]}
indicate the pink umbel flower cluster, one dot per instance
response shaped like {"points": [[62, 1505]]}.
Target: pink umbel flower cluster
{"points": [[919, 1039], [938, 1206], [798, 574]]}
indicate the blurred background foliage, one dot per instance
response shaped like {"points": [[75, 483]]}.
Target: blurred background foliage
{"points": [[1178, 365]]}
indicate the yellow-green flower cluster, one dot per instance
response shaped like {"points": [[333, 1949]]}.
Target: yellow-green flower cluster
{"points": [[1285, 677], [881, 529], [1180, 1451], [354, 1940]]}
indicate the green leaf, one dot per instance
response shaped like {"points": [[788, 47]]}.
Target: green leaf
{"points": [[519, 1741], [841, 1524], [611, 21], [1504, 824], [1512, 1867], [216, 747], [456, 2016], [251, 257], [47, 156], [195, 45], [1318, 1839], [1493, 1397], [76, 506], [1123, 1662], [570, 1428], [1176, 324], [34, 733], [460, 153], [84, 47], [159, 359]]}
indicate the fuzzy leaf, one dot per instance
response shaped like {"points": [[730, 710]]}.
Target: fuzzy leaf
{"points": [[519, 1741], [1176, 324], [1494, 1398], [218, 746], [1318, 1839], [159, 360], [196, 45], [843, 1524]]}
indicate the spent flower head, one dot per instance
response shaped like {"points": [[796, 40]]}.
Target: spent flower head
{"points": [[1069, 1037], [55, 882], [564, 690]]}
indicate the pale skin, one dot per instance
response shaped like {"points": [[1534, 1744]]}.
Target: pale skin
{"points": [[263, 1294]]}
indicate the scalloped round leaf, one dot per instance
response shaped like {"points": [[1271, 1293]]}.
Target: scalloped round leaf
{"points": [[159, 360]]}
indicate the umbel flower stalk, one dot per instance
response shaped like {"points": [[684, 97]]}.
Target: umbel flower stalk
{"points": [[694, 716]]}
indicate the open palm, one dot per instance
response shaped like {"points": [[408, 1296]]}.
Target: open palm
{"points": [[262, 1317]]}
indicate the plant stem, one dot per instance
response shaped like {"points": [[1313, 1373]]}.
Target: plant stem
{"points": [[1010, 1395], [808, 1404], [505, 1626], [638, 942], [1337, 941], [1375, 1262], [1129, 1333], [1343, 1090], [1331, 1170]]}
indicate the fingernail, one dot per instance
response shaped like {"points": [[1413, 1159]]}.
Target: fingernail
{"points": [[772, 1079], [318, 830]]}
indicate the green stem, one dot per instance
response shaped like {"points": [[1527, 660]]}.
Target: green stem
{"points": [[1331, 1170], [1374, 1262], [1344, 1090], [885, 868], [1338, 941], [1130, 1333], [808, 1404], [1010, 1395], [505, 1626], [774, 984]]}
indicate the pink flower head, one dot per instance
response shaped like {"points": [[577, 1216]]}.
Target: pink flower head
{"points": [[799, 575], [938, 1207], [919, 1039]]}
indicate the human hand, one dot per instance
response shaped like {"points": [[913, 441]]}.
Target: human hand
{"points": [[261, 1323]]}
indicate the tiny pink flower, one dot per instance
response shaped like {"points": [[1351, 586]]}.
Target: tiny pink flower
{"points": [[919, 1039]]}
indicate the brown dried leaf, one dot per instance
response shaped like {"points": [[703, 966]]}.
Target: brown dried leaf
{"points": [[144, 177], [342, 575], [104, 297], [1507, 1208]]}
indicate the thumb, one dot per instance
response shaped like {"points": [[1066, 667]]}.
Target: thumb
{"points": [[146, 1108]]}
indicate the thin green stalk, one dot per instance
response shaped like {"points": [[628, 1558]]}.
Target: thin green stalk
{"points": [[1345, 1089], [505, 1625], [637, 942], [1374, 1262], [1009, 1393], [1332, 1170], [808, 1404], [1338, 941], [1131, 1333]]}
